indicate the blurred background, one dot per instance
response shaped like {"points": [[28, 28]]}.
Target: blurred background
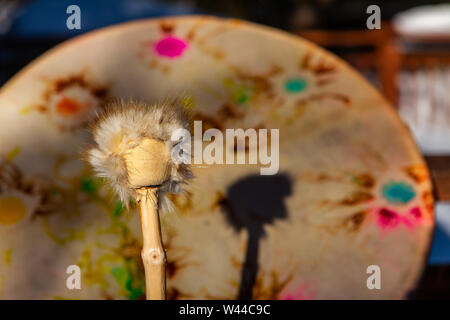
{"points": [[407, 58]]}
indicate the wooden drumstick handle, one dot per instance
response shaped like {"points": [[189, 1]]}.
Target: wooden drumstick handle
{"points": [[153, 254], [136, 157]]}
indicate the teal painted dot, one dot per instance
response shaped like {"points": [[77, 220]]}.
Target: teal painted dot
{"points": [[398, 192], [295, 85]]}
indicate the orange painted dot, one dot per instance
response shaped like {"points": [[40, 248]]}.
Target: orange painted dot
{"points": [[12, 210], [67, 107]]}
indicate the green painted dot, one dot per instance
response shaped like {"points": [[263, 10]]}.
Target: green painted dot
{"points": [[398, 192], [125, 278], [120, 275], [295, 85], [240, 95], [118, 209], [89, 185], [135, 290]]}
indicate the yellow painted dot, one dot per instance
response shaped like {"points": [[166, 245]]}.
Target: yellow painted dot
{"points": [[187, 102], [12, 210], [8, 254], [25, 110], [13, 153]]}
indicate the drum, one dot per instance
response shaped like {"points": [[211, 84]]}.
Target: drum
{"points": [[347, 212]]}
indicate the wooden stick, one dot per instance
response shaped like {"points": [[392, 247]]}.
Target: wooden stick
{"points": [[153, 254], [135, 165]]}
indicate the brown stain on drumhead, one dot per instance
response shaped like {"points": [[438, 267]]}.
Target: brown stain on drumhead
{"points": [[356, 198], [167, 26]]}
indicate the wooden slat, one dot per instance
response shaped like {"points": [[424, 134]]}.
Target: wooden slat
{"points": [[440, 173], [346, 38]]}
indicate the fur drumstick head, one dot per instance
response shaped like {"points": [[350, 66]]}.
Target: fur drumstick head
{"points": [[133, 148]]}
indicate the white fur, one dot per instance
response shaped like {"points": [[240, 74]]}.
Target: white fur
{"points": [[121, 127]]}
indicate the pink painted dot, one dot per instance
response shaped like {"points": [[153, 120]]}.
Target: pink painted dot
{"points": [[171, 47], [413, 218], [300, 294], [416, 212], [387, 218]]}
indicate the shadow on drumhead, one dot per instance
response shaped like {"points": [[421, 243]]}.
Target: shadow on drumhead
{"points": [[250, 203]]}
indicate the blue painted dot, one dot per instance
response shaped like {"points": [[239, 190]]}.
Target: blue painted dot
{"points": [[295, 85], [398, 192]]}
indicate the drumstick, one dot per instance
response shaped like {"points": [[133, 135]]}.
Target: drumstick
{"points": [[133, 152]]}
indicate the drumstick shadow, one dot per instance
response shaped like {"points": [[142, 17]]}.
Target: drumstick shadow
{"points": [[251, 203]]}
